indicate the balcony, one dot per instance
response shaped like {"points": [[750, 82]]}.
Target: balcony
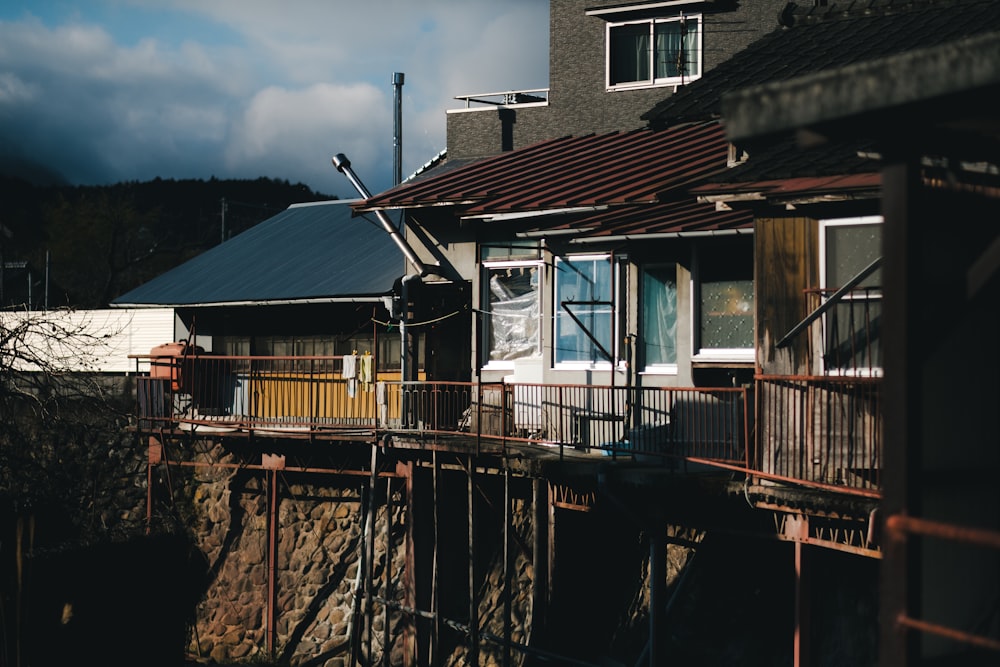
{"points": [[814, 431]]}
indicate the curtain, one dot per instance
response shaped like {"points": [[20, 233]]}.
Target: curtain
{"points": [[659, 316], [677, 49]]}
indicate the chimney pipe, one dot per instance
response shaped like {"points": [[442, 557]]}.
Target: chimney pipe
{"points": [[397, 135]]}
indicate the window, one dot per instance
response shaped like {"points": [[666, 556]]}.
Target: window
{"points": [[723, 288], [659, 318], [852, 326], [512, 311], [584, 308], [654, 52], [511, 302]]}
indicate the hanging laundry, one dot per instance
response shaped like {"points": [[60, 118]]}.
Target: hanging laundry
{"points": [[382, 403], [366, 371], [349, 373]]}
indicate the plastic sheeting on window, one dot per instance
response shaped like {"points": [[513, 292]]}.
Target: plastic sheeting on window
{"points": [[514, 312]]}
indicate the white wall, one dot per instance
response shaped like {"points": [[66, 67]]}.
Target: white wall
{"points": [[84, 340]]}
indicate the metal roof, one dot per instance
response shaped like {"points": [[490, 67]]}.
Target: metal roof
{"points": [[619, 168], [308, 252], [671, 220], [791, 190]]}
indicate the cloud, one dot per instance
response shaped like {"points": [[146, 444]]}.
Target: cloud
{"points": [[298, 131], [241, 89]]}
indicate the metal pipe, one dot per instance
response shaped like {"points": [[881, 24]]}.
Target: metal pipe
{"points": [[397, 135], [343, 165]]}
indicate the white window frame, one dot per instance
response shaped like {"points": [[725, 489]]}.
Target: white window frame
{"points": [[616, 277], [487, 267], [824, 224], [653, 81]]}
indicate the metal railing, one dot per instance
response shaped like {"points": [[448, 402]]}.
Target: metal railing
{"points": [[824, 430], [820, 431], [535, 96]]}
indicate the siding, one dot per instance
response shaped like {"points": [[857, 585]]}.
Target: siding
{"points": [[786, 265]]}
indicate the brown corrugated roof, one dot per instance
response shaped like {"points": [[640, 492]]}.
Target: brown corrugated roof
{"points": [[671, 219], [619, 168], [786, 189]]}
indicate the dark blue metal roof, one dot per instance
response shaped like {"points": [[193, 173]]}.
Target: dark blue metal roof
{"points": [[307, 252]]}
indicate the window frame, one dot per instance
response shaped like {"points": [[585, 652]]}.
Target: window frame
{"points": [[616, 270], [653, 81], [824, 279]]}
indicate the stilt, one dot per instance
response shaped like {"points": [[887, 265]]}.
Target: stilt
{"points": [[354, 622], [434, 652], [370, 561], [506, 567], [551, 543], [801, 642], [473, 598], [272, 558], [539, 557], [154, 454], [657, 588], [410, 643], [387, 576]]}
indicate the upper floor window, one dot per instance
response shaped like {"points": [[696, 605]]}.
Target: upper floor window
{"points": [[654, 52]]}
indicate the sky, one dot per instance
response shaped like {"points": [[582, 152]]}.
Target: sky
{"points": [[105, 91]]}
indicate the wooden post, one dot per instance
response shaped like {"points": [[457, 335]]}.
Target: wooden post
{"points": [[902, 400]]}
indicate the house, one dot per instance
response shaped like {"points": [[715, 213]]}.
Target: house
{"points": [[296, 293], [598, 311], [939, 205], [872, 181]]}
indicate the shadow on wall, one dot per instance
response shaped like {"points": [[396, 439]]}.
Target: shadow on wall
{"points": [[126, 603]]}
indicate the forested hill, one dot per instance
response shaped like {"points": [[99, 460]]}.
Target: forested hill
{"points": [[101, 241]]}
